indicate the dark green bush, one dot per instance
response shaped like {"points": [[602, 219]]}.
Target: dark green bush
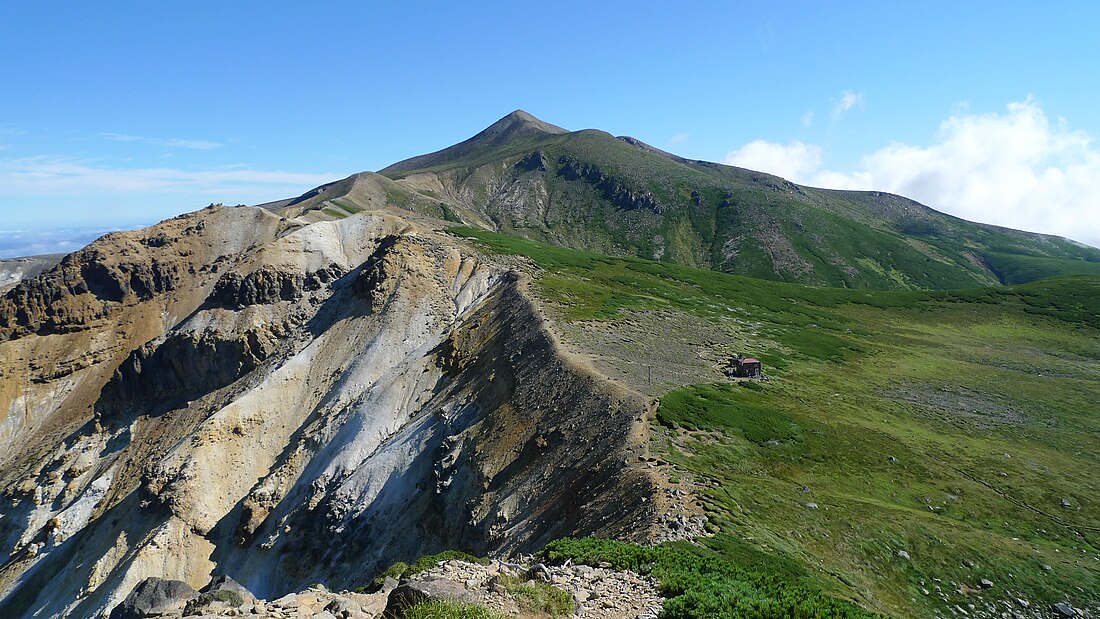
{"points": [[402, 570], [225, 596], [700, 584]]}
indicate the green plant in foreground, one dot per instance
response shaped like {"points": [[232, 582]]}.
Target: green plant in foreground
{"points": [[539, 597], [701, 584], [403, 571], [440, 609], [225, 596]]}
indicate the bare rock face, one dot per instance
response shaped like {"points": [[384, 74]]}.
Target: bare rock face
{"points": [[285, 401], [613, 189], [159, 376], [92, 284], [268, 285]]}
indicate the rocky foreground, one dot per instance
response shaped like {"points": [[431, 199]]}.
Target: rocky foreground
{"points": [[524, 589]]}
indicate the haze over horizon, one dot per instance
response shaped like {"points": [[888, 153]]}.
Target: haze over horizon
{"points": [[125, 116]]}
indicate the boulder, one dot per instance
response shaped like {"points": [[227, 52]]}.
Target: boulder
{"points": [[389, 583], [411, 593], [343, 608], [153, 596], [226, 583], [496, 585], [288, 600]]}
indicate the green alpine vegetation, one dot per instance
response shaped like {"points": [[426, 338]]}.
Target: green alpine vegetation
{"points": [[701, 582], [539, 597], [912, 451], [403, 571]]}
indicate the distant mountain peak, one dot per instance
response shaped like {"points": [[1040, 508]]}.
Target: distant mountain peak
{"points": [[522, 119], [519, 125]]}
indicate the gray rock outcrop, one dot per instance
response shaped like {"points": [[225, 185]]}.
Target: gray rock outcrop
{"points": [[409, 594], [153, 596]]}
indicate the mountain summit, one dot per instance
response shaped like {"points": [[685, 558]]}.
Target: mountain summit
{"points": [[517, 127]]}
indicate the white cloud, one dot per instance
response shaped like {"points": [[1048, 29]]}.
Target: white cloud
{"points": [[1016, 168], [165, 142], [847, 101], [791, 161], [807, 119]]}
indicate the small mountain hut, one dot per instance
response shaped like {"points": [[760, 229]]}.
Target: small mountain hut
{"points": [[744, 367]]}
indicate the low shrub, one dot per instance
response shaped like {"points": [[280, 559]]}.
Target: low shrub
{"points": [[701, 584], [403, 571], [539, 597], [439, 609], [224, 596]]}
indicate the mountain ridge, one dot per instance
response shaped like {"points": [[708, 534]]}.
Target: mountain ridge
{"points": [[590, 190]]}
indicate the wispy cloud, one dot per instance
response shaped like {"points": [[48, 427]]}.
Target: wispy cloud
{"points": [[15, 243], [1016, 168], [44, 175], [679, 138], [808, 119], [848, 100], [163, 142]]}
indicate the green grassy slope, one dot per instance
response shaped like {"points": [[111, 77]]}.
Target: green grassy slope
{"points": [[945, 425], [590, 190]]}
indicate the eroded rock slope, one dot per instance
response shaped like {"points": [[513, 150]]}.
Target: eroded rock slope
{"points": [[237, 391]]}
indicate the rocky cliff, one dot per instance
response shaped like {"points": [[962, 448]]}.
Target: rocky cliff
{"points": [[290, 400]]}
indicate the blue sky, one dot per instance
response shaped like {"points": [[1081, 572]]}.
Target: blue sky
{"points": [[124, 113]]}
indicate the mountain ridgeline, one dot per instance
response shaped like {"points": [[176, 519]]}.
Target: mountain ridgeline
{"points": [[619, 196]]}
